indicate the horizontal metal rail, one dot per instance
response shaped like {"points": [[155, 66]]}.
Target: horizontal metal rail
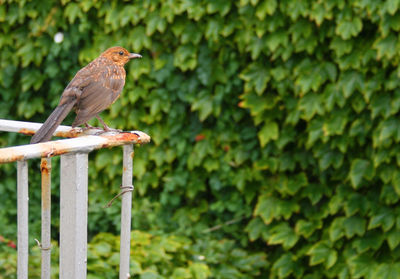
{"points": [[29, 128], [79, 144], [73, 193]]}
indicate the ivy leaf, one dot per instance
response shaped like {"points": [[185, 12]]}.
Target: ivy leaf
{"points": [[340, 46], [356, 203], [220, 6], [349, 28], [283, 234], [270, 131], [350, 81], [271, 208], [213, 29], [258, 104], [267, 7], [154, 22], [181, 273], [199, 270], [150, 274], [307, 228], [386, 47], [389, 129], [371, 240], [310, 104], [204, 104], [257, 77], [26, 53], [274, 40], [336, 229], [387, 271], [296, 182], [361, 265], [191, 34], [392, 6], [384, 219], [335, 123], [255, 228], [354, 225], [284, 265], [314, 192], [321, 253], [266, 208], [380, 105], [185, 57], [393, 238], [31, 79], [141, 40], [396, 181], [359, 169], [73, 11]]}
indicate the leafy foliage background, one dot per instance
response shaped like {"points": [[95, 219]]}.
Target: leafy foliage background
{"points": [[274, 125]]}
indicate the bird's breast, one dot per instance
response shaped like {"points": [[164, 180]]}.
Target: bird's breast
{"points": [[117, 79], [116, 72]]}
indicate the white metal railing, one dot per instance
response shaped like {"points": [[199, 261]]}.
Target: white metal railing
{"points": [[73, 193]]}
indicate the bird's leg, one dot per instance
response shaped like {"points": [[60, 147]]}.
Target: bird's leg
{"points": [[106, 128], [88, 127]]}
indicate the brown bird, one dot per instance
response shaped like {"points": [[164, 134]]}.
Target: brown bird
{"points": [[93, 89]]}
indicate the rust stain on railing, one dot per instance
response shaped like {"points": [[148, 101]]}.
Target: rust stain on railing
{"points": [[73, 133], [44, 151], [123, 137], [45, 167], [26, 131]]}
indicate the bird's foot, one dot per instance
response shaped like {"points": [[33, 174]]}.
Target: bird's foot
{"points": [[105, 126], [88, 127], [108, 129]]}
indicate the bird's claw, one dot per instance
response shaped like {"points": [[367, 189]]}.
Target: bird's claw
{"points": [[88, 127], [112, 130], [91, 128]]}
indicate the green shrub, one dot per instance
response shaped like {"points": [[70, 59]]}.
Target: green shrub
{"points": [[275, 118]]}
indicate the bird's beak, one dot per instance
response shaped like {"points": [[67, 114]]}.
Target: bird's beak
{"points": [[134, 55]]}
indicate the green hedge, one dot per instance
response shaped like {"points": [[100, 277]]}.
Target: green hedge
{"points": [[276, 121]]}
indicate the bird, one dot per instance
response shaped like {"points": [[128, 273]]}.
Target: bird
{"points": [[93, 89]]}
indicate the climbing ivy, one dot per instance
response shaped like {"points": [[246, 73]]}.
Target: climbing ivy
{"points": [[274, 129]]}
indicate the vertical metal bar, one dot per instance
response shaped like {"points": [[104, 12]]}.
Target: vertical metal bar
{"points": [[45, 167], [23, 232], [73, 215], [126, 208]]}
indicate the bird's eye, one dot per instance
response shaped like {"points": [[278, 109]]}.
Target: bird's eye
{"points": [[121, 53]]}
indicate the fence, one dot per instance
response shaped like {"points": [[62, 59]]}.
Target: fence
{"points": [[73, 193]]}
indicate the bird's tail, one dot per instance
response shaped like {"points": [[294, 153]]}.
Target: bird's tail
{"points": [[53, 121]]}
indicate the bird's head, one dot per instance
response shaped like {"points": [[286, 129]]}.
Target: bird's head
{"points": [[119, 55]]}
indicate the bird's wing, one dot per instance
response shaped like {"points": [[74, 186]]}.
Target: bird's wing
{"points": [[82, 79], [100, 84]]}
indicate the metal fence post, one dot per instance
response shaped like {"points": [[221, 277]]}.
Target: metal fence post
{"points": [[126, 208], [23, 207], [73, 194], [73, 215], [45, 246]]}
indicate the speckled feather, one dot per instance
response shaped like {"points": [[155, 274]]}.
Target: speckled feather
{"points": [[93, 89]]}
